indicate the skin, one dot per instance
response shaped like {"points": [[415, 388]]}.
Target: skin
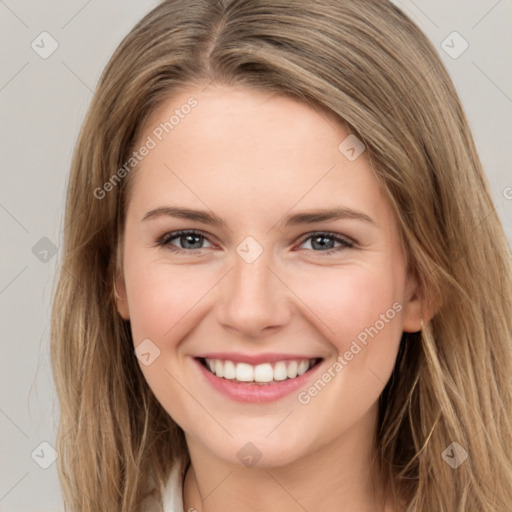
{"points": [[253, 158]]}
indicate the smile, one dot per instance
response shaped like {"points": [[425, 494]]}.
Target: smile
{"points": [[260, 382], [265, 373]]}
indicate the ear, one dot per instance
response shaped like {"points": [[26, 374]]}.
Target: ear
{"points": [[121, 298], [415, 307]]}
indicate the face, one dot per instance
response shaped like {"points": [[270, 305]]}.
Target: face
{"points": [[299, 316]]}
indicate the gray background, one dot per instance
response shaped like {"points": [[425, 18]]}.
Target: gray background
{"points": [[43, 102]]}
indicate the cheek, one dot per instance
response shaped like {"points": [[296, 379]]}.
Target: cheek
{"points": [[362, 306], [349, 300], [160, 297], [358, 310]]}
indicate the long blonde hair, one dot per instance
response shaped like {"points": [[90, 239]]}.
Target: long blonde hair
{"points": [[374, 70]]}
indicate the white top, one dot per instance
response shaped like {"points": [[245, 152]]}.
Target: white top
{"points": [[172, 496]]}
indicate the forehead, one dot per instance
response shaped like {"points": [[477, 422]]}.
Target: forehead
{"points": [[252, 150]]}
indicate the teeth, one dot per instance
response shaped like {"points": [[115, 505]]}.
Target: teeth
{"points": [[229, 370], [302, 368], [292, 369], [244, 372], [219, 368], [261, 373], [280, 371]]}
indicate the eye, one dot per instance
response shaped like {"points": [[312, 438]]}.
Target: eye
{"points": [[325, 242], [188, 241], [191, 241]]}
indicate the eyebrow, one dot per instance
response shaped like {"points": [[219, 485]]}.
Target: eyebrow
{"points": [[306, 217]]}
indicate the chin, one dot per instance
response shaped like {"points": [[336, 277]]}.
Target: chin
{"points": [[254, 449]]}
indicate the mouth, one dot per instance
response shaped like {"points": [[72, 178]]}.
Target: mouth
{"points": [[264, 382], [262, 374]]}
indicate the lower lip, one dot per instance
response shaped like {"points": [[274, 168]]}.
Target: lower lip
{"points": [[255, 393]]}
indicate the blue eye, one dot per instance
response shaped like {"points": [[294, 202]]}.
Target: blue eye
{"points": [[191, 241], [321, 240], [188, 240]]}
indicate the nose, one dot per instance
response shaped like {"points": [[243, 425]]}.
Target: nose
{"points": [[254, 300]]}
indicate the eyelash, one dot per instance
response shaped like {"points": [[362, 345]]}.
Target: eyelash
{"points": [[165, 240]]}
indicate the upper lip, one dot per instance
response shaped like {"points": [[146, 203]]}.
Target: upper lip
{"points": [[254, 359]]}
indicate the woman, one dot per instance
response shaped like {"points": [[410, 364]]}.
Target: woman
{"points": [[260, 371]]}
